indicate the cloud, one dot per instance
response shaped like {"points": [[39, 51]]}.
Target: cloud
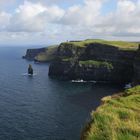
{"points": [[77, 21], [124, 20], [87, 19], [58, 2], [5, 2], [85, 14], [4, 20], [33, 17]]}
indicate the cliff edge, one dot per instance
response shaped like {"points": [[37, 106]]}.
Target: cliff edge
{"points": [[41, 54], [98, 60], [118, 118]]}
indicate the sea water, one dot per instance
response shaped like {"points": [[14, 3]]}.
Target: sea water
{"points": [[38, 107]]}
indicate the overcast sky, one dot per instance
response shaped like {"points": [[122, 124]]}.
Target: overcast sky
{"points": [[53, 21]]}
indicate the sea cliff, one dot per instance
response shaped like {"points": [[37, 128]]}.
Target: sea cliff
{"points": [[98, 60], [136, 67], [41, 54], [32, 53]]}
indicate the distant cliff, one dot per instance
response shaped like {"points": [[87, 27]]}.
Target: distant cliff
{"points": [[98, 60], [32, 53], [41, 54]]}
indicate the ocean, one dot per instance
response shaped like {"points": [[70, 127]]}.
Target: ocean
{"points": [[41, 108]]}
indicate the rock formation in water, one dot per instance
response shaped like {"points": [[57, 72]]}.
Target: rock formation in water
{"points": [[30, 69]]}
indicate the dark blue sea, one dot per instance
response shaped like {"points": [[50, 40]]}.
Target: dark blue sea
{"points": [[40, 108]]}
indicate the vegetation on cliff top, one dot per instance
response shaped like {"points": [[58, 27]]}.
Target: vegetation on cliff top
{"points": [[120, 44], [118, 118], [97, 64], [48, 55]]}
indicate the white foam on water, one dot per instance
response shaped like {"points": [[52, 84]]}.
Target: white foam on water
{"points": [[26, 74]]}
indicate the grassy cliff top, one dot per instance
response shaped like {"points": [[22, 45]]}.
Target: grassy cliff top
{"points": [[48, 54], [119, 44], [118, 118]]}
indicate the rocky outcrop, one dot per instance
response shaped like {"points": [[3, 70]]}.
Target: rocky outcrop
{"points": [[32, 53], [95, 61]]}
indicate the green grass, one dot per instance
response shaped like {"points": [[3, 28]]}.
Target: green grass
{"points": [[118, 118], [120, 44], [48, 55], [67, 59], [97, 64]]}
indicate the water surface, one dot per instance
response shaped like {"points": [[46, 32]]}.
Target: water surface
{"points": [[40, 108]]}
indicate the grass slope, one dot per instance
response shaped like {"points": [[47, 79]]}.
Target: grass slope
{"points": [[48, 55], [118, 118], [97, 64], [119, 44]]}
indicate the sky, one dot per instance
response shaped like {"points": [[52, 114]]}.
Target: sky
{"points": [[53, 21]]}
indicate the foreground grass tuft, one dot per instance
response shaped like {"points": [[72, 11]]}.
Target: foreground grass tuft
{"points": [[118, 118]]}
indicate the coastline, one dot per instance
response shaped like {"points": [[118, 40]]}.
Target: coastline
{"points": [[98, 63]]}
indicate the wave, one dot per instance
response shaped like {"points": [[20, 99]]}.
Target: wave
{"points": [[82, 81]]}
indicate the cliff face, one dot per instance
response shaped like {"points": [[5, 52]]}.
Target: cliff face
{"points": [[99, 60], [66, 50], [95, 61], [136, 65], [32, 53], [46, 56], [41, 54]]}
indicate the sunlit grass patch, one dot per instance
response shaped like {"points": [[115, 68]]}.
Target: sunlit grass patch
{"points": [[117, 118], [120, 44], [96, 64]]}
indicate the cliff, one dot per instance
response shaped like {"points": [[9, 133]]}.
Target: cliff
{"points": [[41, 54], [136, 66], [118, 118], [46, 56], [98, 60], [31, 53]]}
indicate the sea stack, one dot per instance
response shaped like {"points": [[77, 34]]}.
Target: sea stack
{"points": [[30, 69]]}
